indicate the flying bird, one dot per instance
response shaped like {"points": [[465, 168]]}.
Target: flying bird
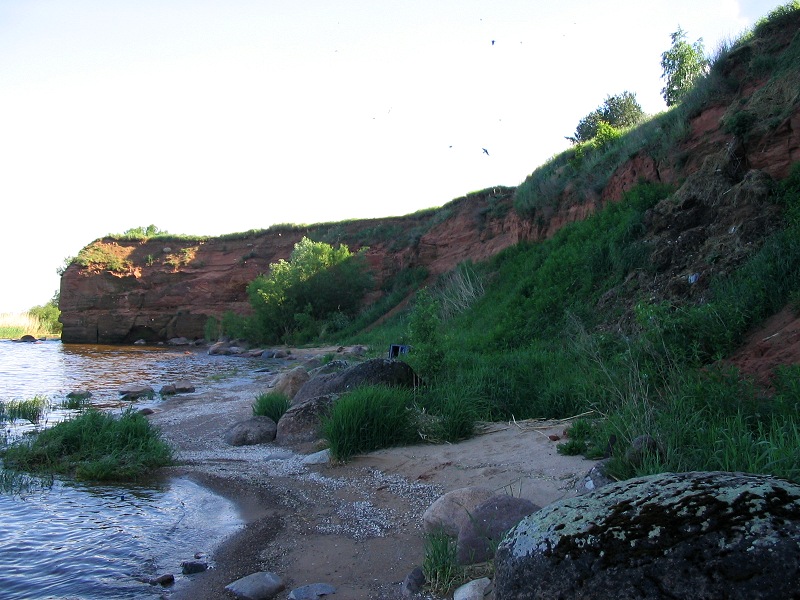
{"points": [[485, 151]]}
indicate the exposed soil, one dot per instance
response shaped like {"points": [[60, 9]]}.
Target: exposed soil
{"points": [[356, 526], [775, 342]]}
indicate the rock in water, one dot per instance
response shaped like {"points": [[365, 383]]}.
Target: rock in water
{"points": [[676, 535]]}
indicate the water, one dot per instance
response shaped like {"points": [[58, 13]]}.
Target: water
{"points": [[72, 540]]}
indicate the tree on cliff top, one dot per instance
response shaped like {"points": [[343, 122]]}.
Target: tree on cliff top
{"points": [[318, 288], [618, 111], [683, 63]]}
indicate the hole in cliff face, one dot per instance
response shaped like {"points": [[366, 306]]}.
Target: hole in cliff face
{"points": [[141, 333]]}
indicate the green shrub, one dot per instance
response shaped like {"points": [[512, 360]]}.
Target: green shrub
{"points": [[94, 445], [272, 405], [370, 418], [299, 296], [425, 332], [48, 315]]}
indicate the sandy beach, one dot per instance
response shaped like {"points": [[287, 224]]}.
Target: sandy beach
{"points": [[356, 526]]}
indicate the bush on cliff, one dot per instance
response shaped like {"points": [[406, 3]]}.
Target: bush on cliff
{"points": [[319, 288]]}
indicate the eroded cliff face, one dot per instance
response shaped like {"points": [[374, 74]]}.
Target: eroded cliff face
{"points": [[170, 289]]}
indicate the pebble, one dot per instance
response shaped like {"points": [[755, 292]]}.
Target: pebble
{"points": [[312, 591]]}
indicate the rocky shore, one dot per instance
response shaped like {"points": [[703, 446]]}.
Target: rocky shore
{"points": [[357, 527]]}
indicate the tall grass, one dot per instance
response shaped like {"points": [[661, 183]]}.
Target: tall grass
{"points": [[14, 325], [370, 418], [94, 446]]}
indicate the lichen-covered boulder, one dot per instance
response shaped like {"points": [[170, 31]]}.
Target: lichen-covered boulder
{"points": [[672, 535]]}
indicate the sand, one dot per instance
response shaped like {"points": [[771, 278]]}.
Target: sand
{"points": [[356, 526]]}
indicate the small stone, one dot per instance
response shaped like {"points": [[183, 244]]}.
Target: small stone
{"points": [[134, 392], [190, 567], [318, 458], [413, 582], [183, 387], [312, 591], [474, 590], [164, 580]]}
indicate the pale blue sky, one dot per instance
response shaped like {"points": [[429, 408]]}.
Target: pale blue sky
{"points": [[209, 117]]}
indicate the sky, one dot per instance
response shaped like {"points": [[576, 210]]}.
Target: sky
{"points": [[210, 117]]}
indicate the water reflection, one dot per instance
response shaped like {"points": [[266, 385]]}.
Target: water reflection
{"points": [[84, 541], [70, 540]]}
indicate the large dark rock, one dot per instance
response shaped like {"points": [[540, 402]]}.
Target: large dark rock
{"points": [[488, 523], [686, 535], [302, 422], [378, 371]]}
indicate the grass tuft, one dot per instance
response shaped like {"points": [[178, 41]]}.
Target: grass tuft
{"points": [[272, 405], [370, 418], [93, 446]]}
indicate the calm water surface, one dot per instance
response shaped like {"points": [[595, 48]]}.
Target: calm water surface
{"points": [[70, 540]]}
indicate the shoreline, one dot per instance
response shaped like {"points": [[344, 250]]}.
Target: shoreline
{"points": [[356, 526]]}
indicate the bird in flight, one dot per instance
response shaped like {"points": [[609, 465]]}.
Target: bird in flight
{"points": [[485, 151]]}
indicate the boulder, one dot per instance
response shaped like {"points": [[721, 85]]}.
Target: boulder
{"points": [[257, 586], [301, 423], [178, 341], [79, 395], [488, 523], [27, 338], [452, 511], [290, 382], [678, 535], [378, 371], [255, 430]]}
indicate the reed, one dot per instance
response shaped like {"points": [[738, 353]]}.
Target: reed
{"points": [[15, 325], [29, 410]]}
